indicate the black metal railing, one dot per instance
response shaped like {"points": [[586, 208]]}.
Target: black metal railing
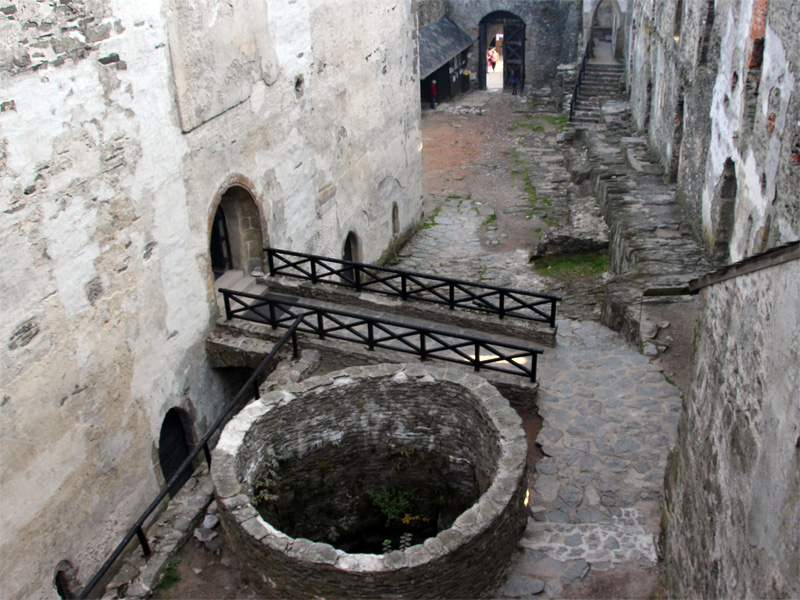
{"points": [[203, 446], [408, 285], [577, 88], [379, 332]]}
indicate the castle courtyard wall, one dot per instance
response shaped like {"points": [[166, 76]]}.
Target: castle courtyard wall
{"points": [[733, 478], [121, 126], [706, 96]]}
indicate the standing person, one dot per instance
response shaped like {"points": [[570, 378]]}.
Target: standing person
{"points": [[513, 78], [433, 93], [494, 58]]}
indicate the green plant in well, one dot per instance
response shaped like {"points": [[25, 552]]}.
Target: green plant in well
{"points": [[169, 577], [566, 266], [265, 483], [394, 503]]}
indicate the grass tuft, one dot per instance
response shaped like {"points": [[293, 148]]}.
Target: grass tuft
{"points": [[169, 577], [570, 266]]}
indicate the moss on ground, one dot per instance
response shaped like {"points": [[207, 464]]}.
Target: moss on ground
{"points": [[571, 266]]}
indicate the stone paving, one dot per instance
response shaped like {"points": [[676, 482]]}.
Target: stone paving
{"points": [[609, 420]]}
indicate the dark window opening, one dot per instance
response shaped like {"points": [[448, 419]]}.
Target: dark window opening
{"points": [[726, 207], [676, 28], [705, 39], [648, 108], [395, 219], [677, 139]]}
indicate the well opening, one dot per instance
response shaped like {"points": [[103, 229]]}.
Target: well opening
{"points": [[376, 480], [363, 498]]}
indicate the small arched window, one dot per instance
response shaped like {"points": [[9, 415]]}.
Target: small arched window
{"points": [[395, 219]]}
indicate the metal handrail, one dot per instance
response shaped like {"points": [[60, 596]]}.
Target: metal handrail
{"points": [[379, 332], [409, 285], [202, 446], [579, 80]]}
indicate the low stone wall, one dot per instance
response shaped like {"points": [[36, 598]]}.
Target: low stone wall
{"points": [[732, 489], [385, 408]]}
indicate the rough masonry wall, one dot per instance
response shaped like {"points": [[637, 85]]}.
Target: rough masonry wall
{"points": [[357, 413], [733, 481], [118, 134], [707, 95], [553, 32], [429, 11]]}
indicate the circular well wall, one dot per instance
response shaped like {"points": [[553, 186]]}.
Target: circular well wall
{"points": [[318, 458]]}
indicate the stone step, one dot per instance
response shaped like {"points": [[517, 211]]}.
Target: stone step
{"points": [[616, 68]]}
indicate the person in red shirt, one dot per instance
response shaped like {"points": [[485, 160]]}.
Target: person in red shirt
{"points": [[433, 93]]}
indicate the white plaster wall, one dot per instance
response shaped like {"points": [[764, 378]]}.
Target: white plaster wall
{"points": [[751, 160], [106, 287]]}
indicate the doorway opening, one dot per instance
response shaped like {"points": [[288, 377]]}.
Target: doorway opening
{"points": [[173, 448], [501, 35], [236, 240], [607, 34], [351, 253], [66, 580]]}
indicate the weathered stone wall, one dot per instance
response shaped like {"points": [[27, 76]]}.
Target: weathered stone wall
{"points": [[733, 480], [429, 11], [721, 114], [406, 408], [121, 124], [553, 32]]}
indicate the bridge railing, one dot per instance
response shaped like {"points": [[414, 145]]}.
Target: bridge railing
{"points": [[379, 332], [408, 285], [172, 486]]}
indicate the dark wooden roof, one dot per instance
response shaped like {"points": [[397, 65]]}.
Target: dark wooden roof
{"points": [[438, 43]]}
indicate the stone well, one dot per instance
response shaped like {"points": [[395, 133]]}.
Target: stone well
{"points": [[329, 441]]}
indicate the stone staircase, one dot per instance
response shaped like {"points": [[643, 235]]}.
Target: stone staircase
{"points": [[600, 82]]}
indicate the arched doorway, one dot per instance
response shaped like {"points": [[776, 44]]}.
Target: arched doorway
{"points": [[173, 448], [350, 252], [505, 32], [66, 580], [607, 31], [236, 239]]}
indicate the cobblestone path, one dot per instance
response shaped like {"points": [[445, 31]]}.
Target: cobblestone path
{"points": [[609, 416]]}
